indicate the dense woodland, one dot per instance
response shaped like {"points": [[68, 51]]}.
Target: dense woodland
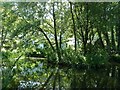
{"points": [[61, 34]]}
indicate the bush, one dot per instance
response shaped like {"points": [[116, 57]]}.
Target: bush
{"points": [[73, 57], [97, 57]]}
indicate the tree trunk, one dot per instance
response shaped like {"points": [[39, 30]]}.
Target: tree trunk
{"points": [[55, 34], [113, 39], [105, 32], [86, 30], [74, 28], [100, 38], [41, 30], [118, 29], [80, 27], [1, 40], [118, 38], [61, 32], [107, 41]]}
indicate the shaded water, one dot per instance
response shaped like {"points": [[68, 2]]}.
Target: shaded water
{"points": [[64, 78]]}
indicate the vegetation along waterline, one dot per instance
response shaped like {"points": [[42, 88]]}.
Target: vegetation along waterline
{"points": [[60, 45]]}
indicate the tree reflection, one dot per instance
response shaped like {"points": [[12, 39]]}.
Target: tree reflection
{"points": [[74, 79]]}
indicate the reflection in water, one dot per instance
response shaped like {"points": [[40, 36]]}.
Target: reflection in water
{"points": [[28, 84], [71, 79]]}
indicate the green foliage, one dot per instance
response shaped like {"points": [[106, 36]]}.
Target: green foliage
{"points": [[5, 55], [21, 35], [98, 57], [73, 57], [51, 56]]}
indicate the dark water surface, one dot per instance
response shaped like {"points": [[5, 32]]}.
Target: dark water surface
{"points": [[64, 78]]}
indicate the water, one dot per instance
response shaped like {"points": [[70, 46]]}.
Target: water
{"points": [[65, 78]]}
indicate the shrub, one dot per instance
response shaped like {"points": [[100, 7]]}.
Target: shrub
{"points": [[73, 57], [97, 57]]}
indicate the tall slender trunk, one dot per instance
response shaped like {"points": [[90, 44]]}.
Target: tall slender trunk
{"points": [[60, 49], [80, 27], [113, 39], [86, 30], [118, 38], [61, 32], [105, 27], [118, 29], [107, 41], [55, 34], [74, 28], [60, 39], [1, 40]]}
